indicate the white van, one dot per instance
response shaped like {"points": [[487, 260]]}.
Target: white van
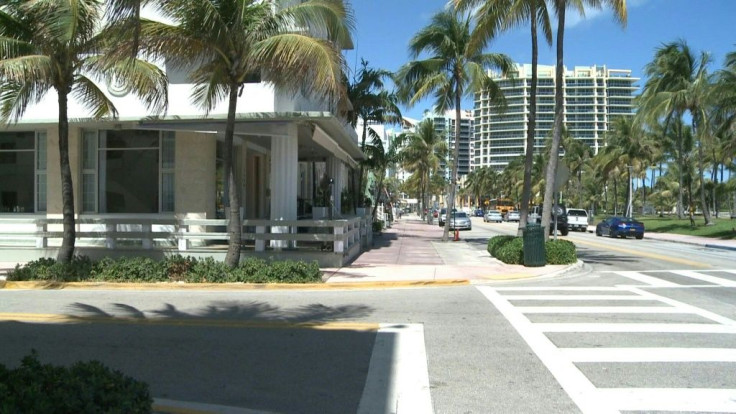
{"points": [[577, 219]]}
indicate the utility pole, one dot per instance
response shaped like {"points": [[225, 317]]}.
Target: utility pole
{"points": [[630, 206]]}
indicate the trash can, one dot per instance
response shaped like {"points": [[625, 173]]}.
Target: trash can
{"points": [[534, 253]]}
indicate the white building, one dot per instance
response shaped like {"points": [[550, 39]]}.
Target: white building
{"points": [[444, 124], [593, 95]]}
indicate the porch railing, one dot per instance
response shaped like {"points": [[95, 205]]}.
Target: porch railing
{"points": [[336, 236]]}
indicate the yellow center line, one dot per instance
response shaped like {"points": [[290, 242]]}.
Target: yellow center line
{"points": [[645, 254], [186, 322]]}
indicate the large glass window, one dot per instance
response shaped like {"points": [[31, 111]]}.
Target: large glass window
{"points": [[127, 171], [22, 172]]}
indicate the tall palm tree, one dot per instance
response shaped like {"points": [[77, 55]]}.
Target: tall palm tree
{"points": [[619, 13], [422, 154], [680, 84], [379, 160], [225, 43], [577, 154], [455, 68], [493, 16], [58, 45], [370, 102]]}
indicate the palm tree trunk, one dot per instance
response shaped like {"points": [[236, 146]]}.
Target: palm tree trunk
{"points": [[455, 158], [378, 195], [615, 196], [526, 191], [234, 225], [701, 174], [681, 166], [360, 191], [559, 114], [66, 251]]}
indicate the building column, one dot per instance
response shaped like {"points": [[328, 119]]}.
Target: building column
{"points": [[284, 181], [335, 172]]}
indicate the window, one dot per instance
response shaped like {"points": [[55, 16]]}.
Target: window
{"points": [[127, 171], [22, 172]]}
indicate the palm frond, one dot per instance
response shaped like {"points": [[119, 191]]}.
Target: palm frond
{"points": [[87, 92]]}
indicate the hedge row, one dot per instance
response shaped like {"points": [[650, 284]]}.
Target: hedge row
{"points": [[510, 250], [171, 269], [85, 387]]}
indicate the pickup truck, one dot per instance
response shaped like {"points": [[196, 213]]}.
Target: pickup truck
{"points": [[577, 219], [559, 215]]}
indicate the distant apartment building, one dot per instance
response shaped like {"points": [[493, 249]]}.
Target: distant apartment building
{"points": [[444, 124], [594, 96]]}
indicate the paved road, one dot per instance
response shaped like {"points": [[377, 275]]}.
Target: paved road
{"points": [[644, 334]]}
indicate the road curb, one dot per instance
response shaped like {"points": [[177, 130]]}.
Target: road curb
{"points": [[46, 285]]}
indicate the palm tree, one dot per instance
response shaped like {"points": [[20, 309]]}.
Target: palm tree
{"points": [[292, 45], [370, 102], [455, 68], [679, 83], [577, 153], [422, 155], [379, 160], [59, 45], [619, 12], [493, 16]]}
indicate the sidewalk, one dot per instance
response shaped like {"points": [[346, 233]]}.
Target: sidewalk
{"points": [[412, 250]]}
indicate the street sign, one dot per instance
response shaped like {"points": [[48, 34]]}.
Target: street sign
{"points": [[561, 176]]}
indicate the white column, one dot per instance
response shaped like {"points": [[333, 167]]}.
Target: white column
{"points": [[335, 171], [284, 181]]}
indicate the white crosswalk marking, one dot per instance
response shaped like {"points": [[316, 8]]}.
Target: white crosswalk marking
{"points": [[706, 278], [561, 361], [649, 280]]}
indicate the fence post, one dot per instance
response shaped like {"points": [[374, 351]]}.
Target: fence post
{"points": [[110, 230], [260, 243], [183, 242], [148, 238], [339, 244], [41, 241]]}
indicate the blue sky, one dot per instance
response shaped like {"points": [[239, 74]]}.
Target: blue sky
{"points": [[384, 28]]}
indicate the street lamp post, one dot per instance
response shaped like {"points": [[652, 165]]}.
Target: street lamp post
{"points": [[630, 206]]}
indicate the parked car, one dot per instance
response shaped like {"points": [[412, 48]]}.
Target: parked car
{"points": [[478, 212], [577, 219], [442, 216], [559, 216], [460, 221], [493, 215], [513, 216], [620, 227]]}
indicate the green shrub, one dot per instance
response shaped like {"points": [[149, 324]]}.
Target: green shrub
{"points": [[85, 387], [171, 269], [377, 226], [560, 252], [208, 270], [79, 268], [129, 269], [496, 242], [511, 252]]}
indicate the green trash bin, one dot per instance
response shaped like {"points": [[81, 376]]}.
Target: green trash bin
{"points": [[534, 253]]}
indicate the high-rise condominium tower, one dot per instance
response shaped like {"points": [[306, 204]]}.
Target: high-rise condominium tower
{"points": [[593, 96]]}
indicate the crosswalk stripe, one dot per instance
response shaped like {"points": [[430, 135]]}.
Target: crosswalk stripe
{"points": [[636, 327], [668, 399], [574, 297], [705, 278], [649, 280], [684, 306], [650, 354], [600, 309]]}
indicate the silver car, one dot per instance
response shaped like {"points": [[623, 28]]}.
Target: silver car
{"points": [[513, 216], [493, 215], [460, 221]]}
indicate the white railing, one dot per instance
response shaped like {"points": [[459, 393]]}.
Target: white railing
{"points": [[335, 236]]}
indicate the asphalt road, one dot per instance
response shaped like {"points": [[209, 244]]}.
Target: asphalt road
{"points": [[636, 330]]}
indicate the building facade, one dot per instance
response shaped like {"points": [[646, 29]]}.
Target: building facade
{"points": [[594, 96], [444, 124]]}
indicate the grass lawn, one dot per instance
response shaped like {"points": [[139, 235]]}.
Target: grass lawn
{"points": [[722, 228]]}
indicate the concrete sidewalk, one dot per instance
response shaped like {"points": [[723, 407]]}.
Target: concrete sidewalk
{"points": [[412, 250]]}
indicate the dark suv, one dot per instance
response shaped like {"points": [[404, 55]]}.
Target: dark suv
{"points": [[559, 211]]}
